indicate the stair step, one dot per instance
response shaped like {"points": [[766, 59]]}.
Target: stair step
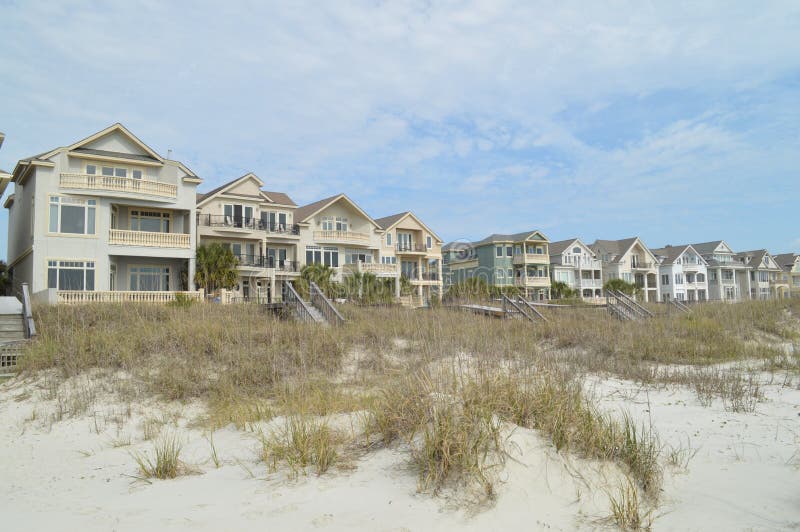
{"points": [[18, 326], [7, 336]]}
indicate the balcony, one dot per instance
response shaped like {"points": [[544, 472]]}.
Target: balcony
{"points": [[410, 248], [260, 261], [122, 237], [425, 278], [538, 281], [580, 263], [241, 224], [348, 237], [531, 258], [118, 184], [641, 265]]}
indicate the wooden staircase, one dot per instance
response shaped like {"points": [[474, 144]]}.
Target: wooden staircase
{"points": [[318, 310], [624, 307], [16, 328]]}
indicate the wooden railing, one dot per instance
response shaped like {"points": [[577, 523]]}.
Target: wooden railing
{"points": [[377, 268], [324, 305], [119, 184], [535, 258], [296, 304], [123, 237], [27, 314], [342, 236], [123, 296]]}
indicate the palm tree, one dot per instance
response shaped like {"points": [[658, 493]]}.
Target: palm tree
{"points": [[320, 274], [561, 289], [216, 267], [621, 285]]}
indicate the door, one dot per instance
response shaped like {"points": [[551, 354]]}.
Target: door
{"points": [[282, 222], [237, 215], [281, 258], [245, 289]]}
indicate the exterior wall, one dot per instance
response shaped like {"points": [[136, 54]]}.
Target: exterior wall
{"points": [[693, 276], [644, 272], [429, 260]]}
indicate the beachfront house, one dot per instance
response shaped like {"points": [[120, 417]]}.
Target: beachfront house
{"points": [[521, 260], [790, 263], [574, 263], [728, 279], [106, 218], [412, 249], [258, 226], [764, 275], [630, 260], [683, 273]]}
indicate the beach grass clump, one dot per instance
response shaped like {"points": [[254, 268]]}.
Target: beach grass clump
{"points": [[302, 443], [165, 463], [626, 509]]}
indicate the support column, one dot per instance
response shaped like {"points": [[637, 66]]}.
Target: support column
{"points": [[192, 270], [722, 293], [397, 286], [749, 286], [272, 289], [646, 291]]}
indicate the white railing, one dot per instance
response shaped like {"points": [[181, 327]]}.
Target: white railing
{"points": [[123, 237], [342, 236], [581, 262], [119, 184], [532, 281], [537, 258], [376, 268], [123, 296]]}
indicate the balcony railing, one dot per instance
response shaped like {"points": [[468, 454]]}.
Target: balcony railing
{"points": [[532, 281], [240, 222], [261, 261], [119, 184], [410, 247], [376, 268], [122, 237], [580, 262], [642, 265], [342, 236], [123, 296], [536, 258]]}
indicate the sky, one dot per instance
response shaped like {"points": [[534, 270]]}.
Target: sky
{"points": [[673, 121]]}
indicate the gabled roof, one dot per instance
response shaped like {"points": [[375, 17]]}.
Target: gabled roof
{"points": [[786, 260], [302, 214], [671, 254], [516, 237], [111, 129], [557, 248], [387, 222], [278, 198], [753, 258], [707, 248], [620, 248]]}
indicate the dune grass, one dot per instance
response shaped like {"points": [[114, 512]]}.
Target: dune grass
{"points": [[444, 383]]}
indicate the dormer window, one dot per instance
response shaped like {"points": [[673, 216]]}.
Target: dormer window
{"points": [[576, 250]]}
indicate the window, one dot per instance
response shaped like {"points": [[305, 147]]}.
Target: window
{"points": [[665, 279], [576, 250], [136, 174], [428, 242], [501, 273], [72, 215], [341, 223], [354, 256], [149, 278], [701, 278], [70, 275], [150, 221], [327, 223], [329, 256], [91, 169], [388, 260], [678, 278], [388, 239], [499, 251], [727, 275], [510, 273], [509, 250], [517, 250], [763, 277]]}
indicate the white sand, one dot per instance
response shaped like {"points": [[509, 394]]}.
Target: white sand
{"points": [[69, 477]]}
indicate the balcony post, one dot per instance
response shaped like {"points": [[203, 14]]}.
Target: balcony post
{"points": [[272, 288], [192, 269], [397, 285]]}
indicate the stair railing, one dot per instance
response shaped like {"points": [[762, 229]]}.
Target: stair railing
{"points": [[27, 313], [633, 304], [324, 305], [532, 308], [292, 299]]}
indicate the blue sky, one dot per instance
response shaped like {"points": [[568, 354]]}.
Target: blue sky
{"points": [[674, 121]]}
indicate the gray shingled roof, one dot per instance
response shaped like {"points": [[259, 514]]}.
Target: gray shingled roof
{"points": [[307, 210], [276, 197], [785, 260], [105, 153], [388, 221], [615, 247], [707, 248], [498, 237], [670, 254], [557, 248]]}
